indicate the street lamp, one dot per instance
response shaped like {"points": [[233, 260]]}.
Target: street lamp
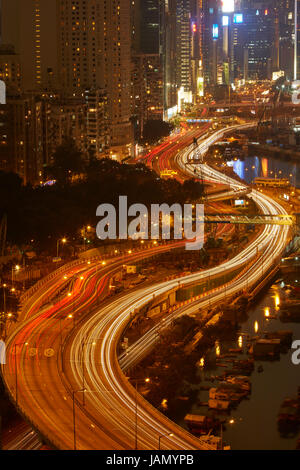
{"points": [[64, 241], [4, 298], [137, 381], [74, 424], [83, 370], [17, 269], [162, 436]]}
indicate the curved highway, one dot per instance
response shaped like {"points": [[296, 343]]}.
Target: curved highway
{"points": [[109, 414]]}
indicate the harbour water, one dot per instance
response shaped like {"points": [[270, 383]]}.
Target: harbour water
{"points": [[253, 167], [253, 423]]}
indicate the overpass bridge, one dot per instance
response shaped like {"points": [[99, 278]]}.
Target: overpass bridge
{"points": [[265, 219]]}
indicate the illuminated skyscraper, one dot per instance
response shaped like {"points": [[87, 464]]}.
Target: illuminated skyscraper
{"points": [[95, 53], [30, 28], [168, 48], [258, 37]]}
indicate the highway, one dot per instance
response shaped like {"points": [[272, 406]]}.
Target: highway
{"points": [[106, 412]]}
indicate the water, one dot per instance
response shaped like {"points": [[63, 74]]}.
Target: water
{"points": [[258, 167], [255, 420]]}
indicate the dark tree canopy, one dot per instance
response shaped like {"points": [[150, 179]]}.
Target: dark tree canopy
{"points": [[155, 129]]}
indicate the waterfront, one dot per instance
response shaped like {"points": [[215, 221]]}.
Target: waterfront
{"points": [[253, 167], [253, 424]]}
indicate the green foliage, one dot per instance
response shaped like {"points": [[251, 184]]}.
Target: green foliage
{"points": [[155, 129], [67, 161], [44, 214]]}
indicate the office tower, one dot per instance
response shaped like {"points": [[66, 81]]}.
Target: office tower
{"points": [[185, 28], [147, 75], [258, 37], [285, 9], [147, 24], [168, 48], [211, 41], [296, 40]]}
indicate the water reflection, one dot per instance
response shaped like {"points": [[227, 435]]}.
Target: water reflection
{"points": [[254, 167], [277, 301], [267, 312]]}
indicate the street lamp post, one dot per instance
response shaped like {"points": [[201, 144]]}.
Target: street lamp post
{"points": [[63, 240], [15, 348], [162, 436], [74, 415], [83, 368], [4, 297], [137, 381], [17, 269]]}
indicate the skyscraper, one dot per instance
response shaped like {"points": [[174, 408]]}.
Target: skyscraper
{"points": [[95, 52], [168, 49], [30, 29], [258, 37], [184, 30]]}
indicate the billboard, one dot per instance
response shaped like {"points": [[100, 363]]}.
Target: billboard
{"points": [[238, 18], [225, 20], [227, 6], [215, 31]]}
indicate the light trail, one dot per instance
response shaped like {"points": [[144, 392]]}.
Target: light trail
{"points": [[107, 420]]}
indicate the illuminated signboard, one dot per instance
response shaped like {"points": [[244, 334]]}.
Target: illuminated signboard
{"points": [[228, 6], [194, 27], [238, 18], [225, 20], [239, 202], [215, 31]]}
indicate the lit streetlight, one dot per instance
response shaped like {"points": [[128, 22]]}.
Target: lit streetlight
{"points": [[63, 241], [84, 343], [137, 381], [162, 436]]}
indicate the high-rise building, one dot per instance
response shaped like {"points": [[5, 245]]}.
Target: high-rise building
{"points": [[147, 70], [184, 30], [168, 49], [147, 26], [147, 88], [21, 137], [211, 40], [95, 52], [285, 9], [258, 37], [69, 47], [30, 28], [10, 68]]}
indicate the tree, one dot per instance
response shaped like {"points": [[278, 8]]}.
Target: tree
{"points": [[155, 129], [67, 161]]}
